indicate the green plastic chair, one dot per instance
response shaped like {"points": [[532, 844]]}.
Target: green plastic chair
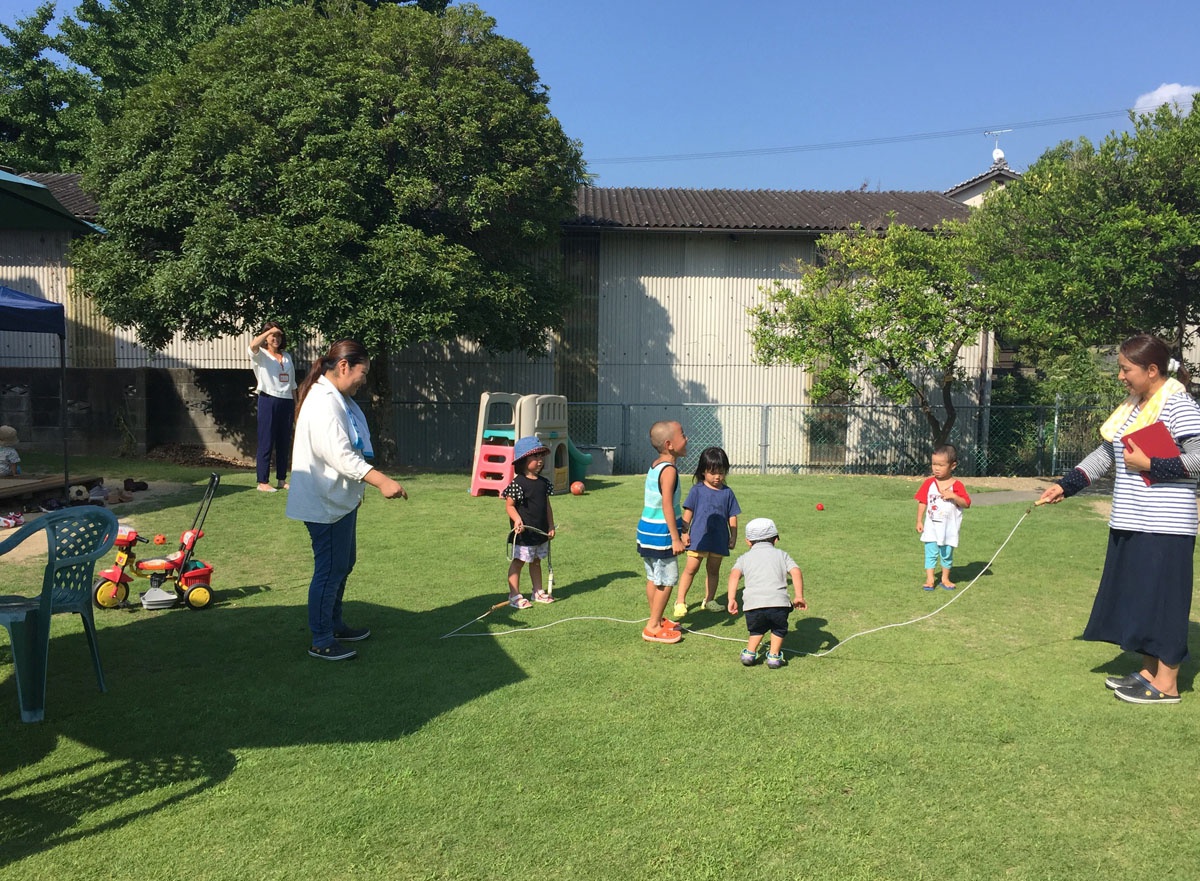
{"points": [[75, 539]]}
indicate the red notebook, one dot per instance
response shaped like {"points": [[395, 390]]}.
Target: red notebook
{"points": [[1155, 441]]}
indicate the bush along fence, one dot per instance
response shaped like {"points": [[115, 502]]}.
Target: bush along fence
{"points": [[1004, 441]]}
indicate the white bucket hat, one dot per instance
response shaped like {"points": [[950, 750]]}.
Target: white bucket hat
{"points": [[761, 529]]}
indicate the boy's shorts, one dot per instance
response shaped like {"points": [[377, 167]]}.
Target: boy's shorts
{"points": [[936, 553], [529, 553], [663, 571], [774, 619]]}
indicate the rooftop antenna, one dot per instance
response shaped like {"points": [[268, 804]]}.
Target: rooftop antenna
{"points": [[998, 154]]}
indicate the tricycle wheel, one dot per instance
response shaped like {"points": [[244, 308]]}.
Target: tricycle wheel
{"points": [[198, 596], [109, 594]]}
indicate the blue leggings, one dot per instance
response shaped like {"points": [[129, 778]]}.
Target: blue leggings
{"points": [[936, 553]]}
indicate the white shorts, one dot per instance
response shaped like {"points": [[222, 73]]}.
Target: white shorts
{"points": [[529, 553]]}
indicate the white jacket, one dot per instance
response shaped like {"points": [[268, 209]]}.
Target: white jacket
{"points": [[327, 471]]}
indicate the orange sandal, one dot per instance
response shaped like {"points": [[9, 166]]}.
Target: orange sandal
{"points": [[663, 634]]}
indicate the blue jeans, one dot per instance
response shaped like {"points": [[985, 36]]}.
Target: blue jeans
{"points": [[334, 549]]}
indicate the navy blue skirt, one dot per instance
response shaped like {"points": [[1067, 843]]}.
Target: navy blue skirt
{"points": [[1145, 594]]}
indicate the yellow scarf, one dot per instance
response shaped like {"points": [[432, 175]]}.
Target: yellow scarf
{"points": [[1148, 413]]}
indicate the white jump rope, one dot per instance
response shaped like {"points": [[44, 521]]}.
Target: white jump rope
{"points": [[841, 643]]}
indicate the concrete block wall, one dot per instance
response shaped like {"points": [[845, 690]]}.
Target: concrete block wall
{"points": [[131, 410]]}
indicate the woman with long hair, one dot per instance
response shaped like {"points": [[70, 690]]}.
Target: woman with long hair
{"points": [[330, 471], [1145, 593], [276, 391]]}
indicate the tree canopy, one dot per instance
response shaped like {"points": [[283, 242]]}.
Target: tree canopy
{"points": [[45, 109], [55, 87], [891, 310], [1102, 242], [381, 173]]}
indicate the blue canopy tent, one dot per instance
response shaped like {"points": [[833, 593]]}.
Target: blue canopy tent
{"points": [[22, 312]]}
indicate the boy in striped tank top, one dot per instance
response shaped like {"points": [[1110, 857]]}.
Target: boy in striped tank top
{"points": [[659, 531]]}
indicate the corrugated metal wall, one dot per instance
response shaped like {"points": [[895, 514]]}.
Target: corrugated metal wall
{"points": [[32, 263], [673, 322], [673, 318]]}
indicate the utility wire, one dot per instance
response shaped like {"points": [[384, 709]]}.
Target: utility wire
{"points": [[862, 142]]}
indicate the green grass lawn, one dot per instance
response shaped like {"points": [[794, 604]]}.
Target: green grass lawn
{"points": [[978, 744]]}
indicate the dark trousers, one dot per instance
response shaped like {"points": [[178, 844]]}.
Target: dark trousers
{"points": [[275, 416]]}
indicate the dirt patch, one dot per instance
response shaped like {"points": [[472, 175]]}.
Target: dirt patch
{"points": [[191, 454]]}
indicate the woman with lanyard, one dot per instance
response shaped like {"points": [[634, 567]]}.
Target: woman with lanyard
{"points": [[329, 474], [1145, 593], [276, 391]]}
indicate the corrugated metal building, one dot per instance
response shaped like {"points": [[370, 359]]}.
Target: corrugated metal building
{"points": [[665, 279]]}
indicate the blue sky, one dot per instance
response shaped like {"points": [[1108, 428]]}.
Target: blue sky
{"points": [[637, 78], [759, 78]]}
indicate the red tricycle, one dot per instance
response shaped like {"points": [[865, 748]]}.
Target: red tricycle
{"points": [[192, 578]]}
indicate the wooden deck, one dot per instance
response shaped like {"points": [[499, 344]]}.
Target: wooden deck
{"points": [[41, 487]]}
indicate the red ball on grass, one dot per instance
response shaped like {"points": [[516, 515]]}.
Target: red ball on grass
{"points": [[820, 507], [577, 488]]}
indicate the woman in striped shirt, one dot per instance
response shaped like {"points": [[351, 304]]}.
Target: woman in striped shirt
{"points": [[1145, 593]]}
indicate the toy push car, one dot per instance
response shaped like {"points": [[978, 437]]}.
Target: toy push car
{"points": [[192, 578]]}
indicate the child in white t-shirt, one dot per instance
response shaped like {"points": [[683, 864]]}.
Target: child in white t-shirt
{"points": [[940, 503]]}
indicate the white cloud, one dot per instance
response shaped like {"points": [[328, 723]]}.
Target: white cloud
{"points": [[1168, 93]]}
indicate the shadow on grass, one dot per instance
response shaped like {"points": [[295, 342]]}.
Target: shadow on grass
{"points": [[970, 571], [1124, 663], [811, 637], [807, 636], [595, 484], [513, 617], [190, 691]]}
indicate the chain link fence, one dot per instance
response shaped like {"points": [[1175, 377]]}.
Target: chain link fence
{"points": [[1003, 441]]}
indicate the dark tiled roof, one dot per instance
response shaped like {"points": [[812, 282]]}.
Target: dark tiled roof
{"points": [[66, 189], [999, 171], [783, 210], [634, 208]]}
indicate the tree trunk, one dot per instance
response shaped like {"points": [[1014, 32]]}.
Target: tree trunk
{"points": [[382, 410]]}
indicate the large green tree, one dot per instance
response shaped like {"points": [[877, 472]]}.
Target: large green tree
{"points": [[57, 83], [45, 108], [890, 310], [1102, 242], [382, 173]]}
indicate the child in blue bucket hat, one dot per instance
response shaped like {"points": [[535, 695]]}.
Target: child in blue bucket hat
{"points": [[531, 520]]}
